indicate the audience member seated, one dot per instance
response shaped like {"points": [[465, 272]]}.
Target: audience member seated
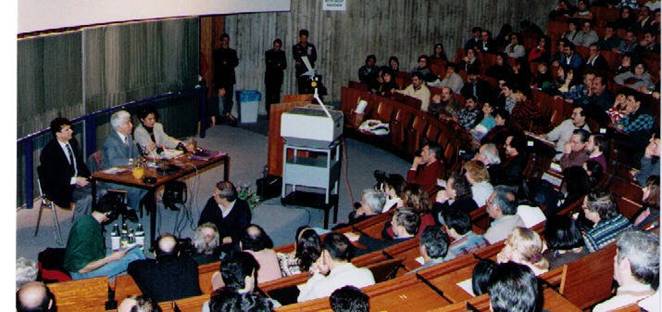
{"points": [[393, 186], [418, 201], [636, 270], [334, 270], [456, 196], [501, 207], [601, 210], [171, 276], [225, 300], [118, 149], [65, 175], [394, 65], [481, 275], [600, 100], [626, 64], [650, 162], [570, 58], [307, 250], [583, 11], [572, 34], [486, 123], [524, 246], [35, 296], [387, 85], [206, 241], [514, 49], [469, 62], [438, 55], [512, 168], [444, 105], [138, 304], [486, 45], [597, 145], [562, 10], [610, 41], [257, 243], [26, 271], [650, 213], [638, 79], [368, 72], [575, 152], [469, 115], [426, 168], [628, 44], [594, 171], [543, 78], [514, 288], [637, 121], [501, 130], [85, 254], [477, 175], [563, 132], [405, 223], [424, 72], [151, 137], [349, 299], [588, 36], [239, 275], [229, 213], [565, 84], [488, 154], [476, 87], [596, 62], [452, 79], [564, 241], [371, 204], [433, 246], [649, 45], [418, 89], [463, 239], [500, 70]]}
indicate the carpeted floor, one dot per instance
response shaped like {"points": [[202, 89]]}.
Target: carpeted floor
{"points": [[248, 151]]}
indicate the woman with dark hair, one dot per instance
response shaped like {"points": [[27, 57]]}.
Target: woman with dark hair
{"points": [[480, 278], [306, 251], [470, 62], [649, 215], [456, 196], [151, 137], [438, 55], [415, 199], [394, 188], [394, 64], [564, 241], [594, 171], [542, 52], [575, 184], [638, 79], [387, 84], [501, 69]]}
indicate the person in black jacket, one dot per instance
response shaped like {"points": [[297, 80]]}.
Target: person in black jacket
{"points": [[170, 276], [273, 77], [65, 175], [301, 49], [405, 223], [229, 213], [225, 60], [456, 197], [515, 163]]}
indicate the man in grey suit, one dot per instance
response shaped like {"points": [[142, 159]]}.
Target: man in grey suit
{"points": [[117, 150]]}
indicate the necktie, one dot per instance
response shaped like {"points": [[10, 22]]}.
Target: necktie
{"points": [[70, 154], [126, 140]]}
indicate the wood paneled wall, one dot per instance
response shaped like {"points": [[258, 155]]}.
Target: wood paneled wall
{"points": [[384, 28]]}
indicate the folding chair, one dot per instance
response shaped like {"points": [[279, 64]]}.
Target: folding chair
{"points": [[44, 201]]}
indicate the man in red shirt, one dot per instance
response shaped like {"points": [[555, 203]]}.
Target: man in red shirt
{"points": [[426, 168]]}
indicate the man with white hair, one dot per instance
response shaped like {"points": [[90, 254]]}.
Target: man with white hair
{"points": [[636, 269], [26, 271], [118, 149], [488, 154]]}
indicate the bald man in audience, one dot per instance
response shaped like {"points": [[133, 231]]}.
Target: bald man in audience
{"points": [[170, 276], [137, 304], [34, 296]]}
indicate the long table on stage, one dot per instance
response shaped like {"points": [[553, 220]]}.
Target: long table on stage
{"points": [[186, 166]]}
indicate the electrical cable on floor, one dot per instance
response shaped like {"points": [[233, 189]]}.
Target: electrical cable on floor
{"points": [[345, 164]]}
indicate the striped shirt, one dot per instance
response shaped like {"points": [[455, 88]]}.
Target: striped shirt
{"points": [[605, 232]]}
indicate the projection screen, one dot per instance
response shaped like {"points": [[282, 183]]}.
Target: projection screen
{"points": [[40, 15]]}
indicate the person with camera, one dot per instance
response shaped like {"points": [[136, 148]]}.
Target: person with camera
{"points": [[172, 275], [85, 255]]}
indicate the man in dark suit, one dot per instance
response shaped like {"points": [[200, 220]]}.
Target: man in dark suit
{"points": [[170, 276], [118, 149], [273, 76], [299, 50], [225, 60], [229, 213], [477, 88], [405, 223], [65, 175]]}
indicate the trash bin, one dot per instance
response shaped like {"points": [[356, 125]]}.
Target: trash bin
{"points": [[248, 100]]}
